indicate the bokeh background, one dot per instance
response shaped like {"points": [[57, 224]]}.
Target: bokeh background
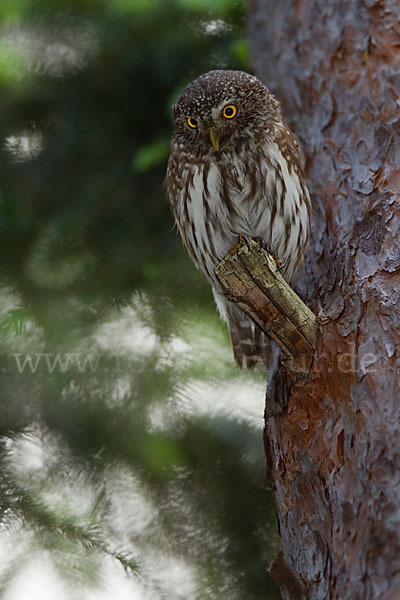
{"points": [[131, 447]]}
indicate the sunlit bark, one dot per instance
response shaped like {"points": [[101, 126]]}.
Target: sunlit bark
{"points": [[333, 444]]}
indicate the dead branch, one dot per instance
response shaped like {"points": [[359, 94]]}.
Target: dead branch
{"points": [[250, 278]]}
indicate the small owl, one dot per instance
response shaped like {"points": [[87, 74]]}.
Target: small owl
{"points": [[236, 169]]}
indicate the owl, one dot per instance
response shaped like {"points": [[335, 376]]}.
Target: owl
{"points": [[235, 168]]}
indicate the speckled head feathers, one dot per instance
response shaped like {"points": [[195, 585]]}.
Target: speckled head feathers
{"points": [[215, 87], [205, 98]]}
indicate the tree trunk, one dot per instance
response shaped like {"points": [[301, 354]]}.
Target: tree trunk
{"points": [[333, 444]]}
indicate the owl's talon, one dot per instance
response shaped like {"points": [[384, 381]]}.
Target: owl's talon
{"points": [[236, 247], [242, 238], [264, 246], [279, 264], [245, 238]]}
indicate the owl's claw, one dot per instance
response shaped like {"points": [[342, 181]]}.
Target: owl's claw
{"points": [[242, 238], [264, 245], [279, 264], [245, 238]]}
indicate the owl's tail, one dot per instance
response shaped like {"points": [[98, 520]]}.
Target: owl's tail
{"points": [[251, 346]]}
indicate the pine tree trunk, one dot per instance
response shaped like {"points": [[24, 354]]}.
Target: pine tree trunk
{"points": [[333, 444]]}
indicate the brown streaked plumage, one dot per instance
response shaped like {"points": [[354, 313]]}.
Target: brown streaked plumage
{"points": [[235, 168]]}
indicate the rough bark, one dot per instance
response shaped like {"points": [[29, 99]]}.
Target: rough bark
{"points": [[333, 444]]}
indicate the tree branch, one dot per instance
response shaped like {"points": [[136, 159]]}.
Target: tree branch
{"points": [[250, 278]]}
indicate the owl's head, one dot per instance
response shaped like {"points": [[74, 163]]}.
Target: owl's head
{"points": [[220, 109]]}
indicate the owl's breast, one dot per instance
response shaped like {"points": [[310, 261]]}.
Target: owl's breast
{"points": [[215, 201], [245, 188]]}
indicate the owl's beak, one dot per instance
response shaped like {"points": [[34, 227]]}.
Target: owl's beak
{"points": [[214, 138]]}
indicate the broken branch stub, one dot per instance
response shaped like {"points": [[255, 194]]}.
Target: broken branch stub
{"points": [[250, 278]]}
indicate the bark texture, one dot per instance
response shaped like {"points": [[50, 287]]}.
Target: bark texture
{"points": [[333, 444]]}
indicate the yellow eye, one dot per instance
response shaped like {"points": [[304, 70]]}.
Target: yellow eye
{"points": [[192, 122], [229, 111]]}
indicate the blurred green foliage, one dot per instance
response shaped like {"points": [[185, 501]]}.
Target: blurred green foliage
{"points": [[108, 336]]}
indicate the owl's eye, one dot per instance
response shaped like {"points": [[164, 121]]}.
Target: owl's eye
{"points": [[192, 122], [229, 111]]}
